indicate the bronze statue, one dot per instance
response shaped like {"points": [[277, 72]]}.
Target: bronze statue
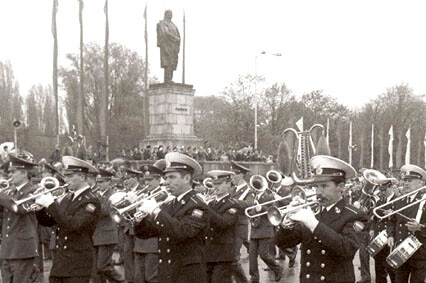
{"points": [[168, 39]]}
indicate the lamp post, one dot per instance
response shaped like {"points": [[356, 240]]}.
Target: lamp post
{"points": [[255, 92]]}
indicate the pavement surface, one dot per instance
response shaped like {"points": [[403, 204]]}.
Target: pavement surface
{"points": [[291, 275]]}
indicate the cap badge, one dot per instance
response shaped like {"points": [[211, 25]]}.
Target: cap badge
{"points": [[318, 170], [147, 173], [146, 167]]}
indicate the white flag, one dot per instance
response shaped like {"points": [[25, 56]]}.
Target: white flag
{"points": [[299, 124], [372, 146], [408, 152], [424, 141], [350, 143], [390, 147], [328, 131]]}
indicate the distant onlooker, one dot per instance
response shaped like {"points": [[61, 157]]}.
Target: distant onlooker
{"points": [[160, 152], [147, 153], [56, 155]]}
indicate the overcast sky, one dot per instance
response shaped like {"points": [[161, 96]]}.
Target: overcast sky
{"points": [[352, 50]]}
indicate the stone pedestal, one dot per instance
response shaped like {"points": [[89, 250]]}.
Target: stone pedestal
{"points": [[171, 115]]}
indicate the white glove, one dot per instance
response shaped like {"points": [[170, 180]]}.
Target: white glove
{"points": [[305, 216], [258, 207], [131, 197], [45, 200], [148, 206]]}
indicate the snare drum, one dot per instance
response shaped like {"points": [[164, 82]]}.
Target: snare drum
{"points": [[403, 252], [378, 243]]}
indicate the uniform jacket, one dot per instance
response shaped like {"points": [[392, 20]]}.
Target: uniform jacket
{"points": [[399, 231], [242, 222], [327, 253], [19, 229], [220, 237], [106, 232], [76, 222], [261, 228], [180, 228]]}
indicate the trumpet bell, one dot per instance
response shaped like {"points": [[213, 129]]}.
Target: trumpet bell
{"points": [[116, 198], [49, 183], [258, 183], [274, 216], [274, 177]]}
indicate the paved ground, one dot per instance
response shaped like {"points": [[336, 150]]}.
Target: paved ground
{"points": [[291, 275]]}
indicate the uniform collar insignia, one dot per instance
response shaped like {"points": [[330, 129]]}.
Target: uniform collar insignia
{"points": [[337, 210]]}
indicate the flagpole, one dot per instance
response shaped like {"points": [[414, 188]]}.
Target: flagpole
{"points": [[106, 75], [81, 97], [55, 68], [372, 146], [146, 98], [183, 49], [328, 131]]}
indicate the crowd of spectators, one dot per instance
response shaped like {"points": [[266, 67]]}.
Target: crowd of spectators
{"points": [[207, 153]]}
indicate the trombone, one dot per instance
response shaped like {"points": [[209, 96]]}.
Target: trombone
{"points": [[389, 212], [294, 192], [47, 185]]}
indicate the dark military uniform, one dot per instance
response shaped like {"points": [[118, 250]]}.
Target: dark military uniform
{"points": [[220, 239], [380, 265], [327, 253], [19, 245], [105, 239], [180, 226], [76, 221], [261, 239], [416, 264]]}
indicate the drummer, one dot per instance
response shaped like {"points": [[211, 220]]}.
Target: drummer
{"points": [[413, 178]]}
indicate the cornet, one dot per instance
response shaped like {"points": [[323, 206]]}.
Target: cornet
{"points": [[160, 195], [279, 215], [47, 185]]}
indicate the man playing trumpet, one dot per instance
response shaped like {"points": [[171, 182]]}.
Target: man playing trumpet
{"points": [[329, 240]]}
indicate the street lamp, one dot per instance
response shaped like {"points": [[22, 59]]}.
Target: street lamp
{"points": [[255, 92]]}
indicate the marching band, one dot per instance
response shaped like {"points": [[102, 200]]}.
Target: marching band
{"points": [[169, 232]]}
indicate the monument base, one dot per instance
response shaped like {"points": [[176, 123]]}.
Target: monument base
{"points": [[171, 116]]}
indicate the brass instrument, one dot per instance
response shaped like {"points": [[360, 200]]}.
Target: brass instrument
{"points": [[278, 215], [4, 184], [258, 183], [119, 199], [373, 180], [389, 212], [160, 195], [207, 183], [46, 186], [274, 178]]}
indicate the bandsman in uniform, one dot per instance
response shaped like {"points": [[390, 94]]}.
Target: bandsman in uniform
{"points": [[76, 216], [220, 238], [146, 250], [381, 267], [261, 240], [399, 228], [19, 232], [105, 237], [245, 196], [133, 180], [329, 240], [180, 225]]}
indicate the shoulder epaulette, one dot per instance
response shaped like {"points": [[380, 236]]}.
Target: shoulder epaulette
{"points": [[198, 199], [355, 210]]}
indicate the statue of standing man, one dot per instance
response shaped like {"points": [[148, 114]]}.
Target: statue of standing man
{"points": [[168, 39]]}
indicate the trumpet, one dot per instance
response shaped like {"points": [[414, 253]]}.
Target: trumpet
{"points": [[47, 185], [278, 215], [125, 212], [389, 212], [4, 184]]}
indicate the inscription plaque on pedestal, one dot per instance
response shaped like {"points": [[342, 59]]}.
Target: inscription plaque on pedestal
{"points": [[171, 115]]}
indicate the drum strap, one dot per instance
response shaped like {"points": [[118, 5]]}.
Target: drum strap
{"points": [[420, 210]]}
